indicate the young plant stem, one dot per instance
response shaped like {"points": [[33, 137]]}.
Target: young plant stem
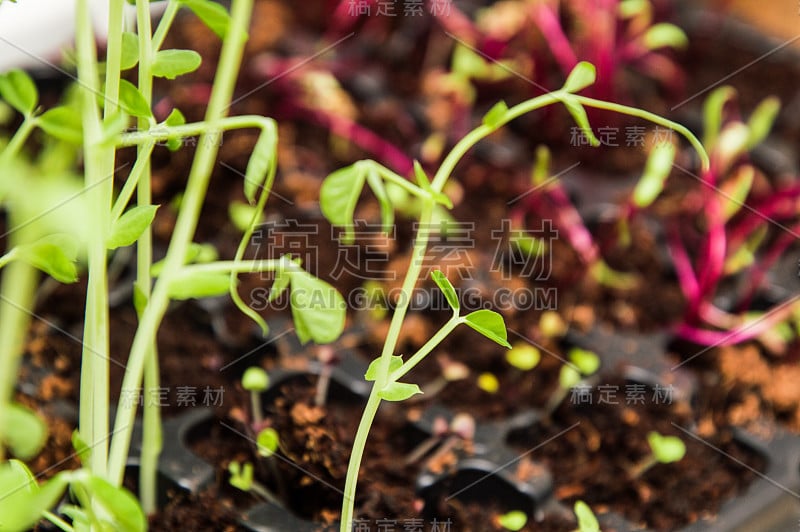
{"points": [[641, 467], [17, 141], [185, 226], [17, 293], [256, 409], [151, 429], [98, 173]]}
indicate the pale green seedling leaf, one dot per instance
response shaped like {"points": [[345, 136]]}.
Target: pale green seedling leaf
{"points": [[19, 91], [586, 361], [22, 500], [633, 8], [121, 505], [734, 190], [130, 50], [666, 449], [583, 75], [523, 356], [173, 63], [712, 114], [132, 101], [568, 377], [55, 255], [587, 522], [372, 371], [242, 215], [447, 289], [175, 118], [198, 285], [338, 197], [212, 14], [82, 448], [488, 382], [24, 433], [398, 391], [318, 309], [490, 324], [581, 119], [494, 116], [422, 178], [731, 144], [241, 476], [268, 442], [130, 226], [260, 170], [761, 121], [514, 520], [656, 171], [63, 123], [665, 35]]}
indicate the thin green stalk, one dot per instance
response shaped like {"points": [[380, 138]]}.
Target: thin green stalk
{"points": [[57, 521], [99, 165], [140, 168], [163, 133], [17, 293], [426, 349], [374, 401], [164, 24], [18, 140], [151, 422], [185, 226]]}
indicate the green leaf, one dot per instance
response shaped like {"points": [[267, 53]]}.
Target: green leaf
{"points": [[372, 371], [241, 476], [586, 361], [447, 289], [712, 114], [268, 442], [130, 226], [338, 197], [494, 117], [490, 324], [261, 166], [633, 8], [583, 75], [761, 120], [173, 63], [281, 282], [731, 144], [82, 448], [734, 190], [243, 215], [387, 209], [124, 509], [587, 522], [63, 123], [175, 118], [212, 14], [421, 177], [197, 285], [656, 171], [398, 391], [568, 377], [513, 520], [665, 35], [24, 433], [131, 100], [22, 501], [19, 91], [318, 310], [55, 255], [130, 50], [666, 449], [581, 118], [523, 356]]}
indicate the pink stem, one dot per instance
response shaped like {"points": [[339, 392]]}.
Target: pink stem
{"points": [[758, 271], [685, 272], [547, 21]]}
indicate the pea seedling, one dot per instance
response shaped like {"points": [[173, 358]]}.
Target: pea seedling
{"points": [[241, 477], [339, 195], [255, 380], [582, 363], [663, 450]]}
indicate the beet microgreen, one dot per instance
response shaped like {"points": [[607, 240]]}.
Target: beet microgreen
{"points": [[338, 197], [663, 450], [94, 123]]}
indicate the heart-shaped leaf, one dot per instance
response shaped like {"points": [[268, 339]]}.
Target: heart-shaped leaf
{"points": [[338, 197], [173, 63], [318, 309], [583, 75], [490, 324], [63, 123], [24, 433], [19, 91], [398, 391]]}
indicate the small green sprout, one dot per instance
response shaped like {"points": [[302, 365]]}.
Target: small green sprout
{"points": [[582, 363], [488, 382], [268, 442], [513, 520], [241, 477], [587, 522], [523, 356], [255, 380], [663, 450]]}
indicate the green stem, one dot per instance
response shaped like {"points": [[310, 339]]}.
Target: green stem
{"points": [[163, 133], [374, 401], [151, 422], [164, 25], [56, 520], [426, 349], [17, 294], [18, 140], [185, 226], [140, 168]]}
